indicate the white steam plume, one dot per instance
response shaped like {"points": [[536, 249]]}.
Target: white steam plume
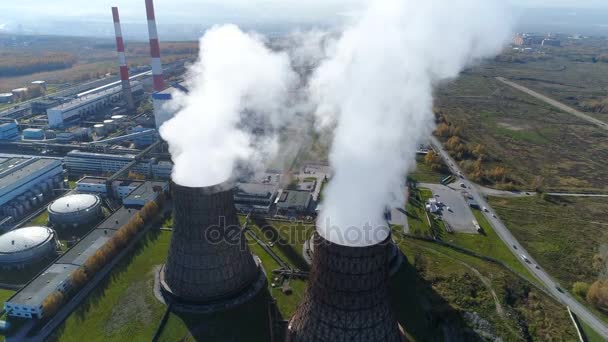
{"points": [[376, 87], [237, 98]]}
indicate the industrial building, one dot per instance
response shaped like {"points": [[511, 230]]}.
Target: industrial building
{"points": [[254, 197], [87, 163], [292, 202], [74, 210], [9, 131], [347, 296], [27, 302], [98, 185], [23, 247], [25, 183], [86, 105], [210, 267], [33, 134], [146, 192]]}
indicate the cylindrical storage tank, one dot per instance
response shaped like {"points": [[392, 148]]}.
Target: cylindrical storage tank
{"points": [[209, 261], [25, 246], [6, 97], [99, 129], [74, 210], [110, 125], [347, 296]]}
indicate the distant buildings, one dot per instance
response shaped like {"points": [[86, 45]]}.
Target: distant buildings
{"points": [[551, 42], [85, 105], [86, 163], [9, 131], [257, 198], [291, 202], [26, 182]]}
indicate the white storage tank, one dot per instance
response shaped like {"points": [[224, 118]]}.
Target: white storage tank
{"points": [[75, 210], [99, 129], [26, 246], [110, 125]]}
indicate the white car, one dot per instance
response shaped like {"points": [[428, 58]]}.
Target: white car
{"points": [[525, 258]]}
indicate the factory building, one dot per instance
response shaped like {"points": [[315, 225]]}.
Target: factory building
{"points": [[25, 183], [210, 267], [6, 97], [253, 197], [27, 302], [143, 140], [292, 203], [347, 296], [97, 185], [86, 105], [33, 134], [9, 131], [85, 163], [75, 210], [146, 192], [23, 247]]}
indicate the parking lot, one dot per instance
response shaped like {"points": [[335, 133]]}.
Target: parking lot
{"points": [[459, 216]]}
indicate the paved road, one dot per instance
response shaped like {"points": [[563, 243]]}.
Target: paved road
{"points": [[581, 311], [555, 103]]}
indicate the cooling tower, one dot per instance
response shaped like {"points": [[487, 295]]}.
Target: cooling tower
{"points": [[347, 296], [209, 267]]}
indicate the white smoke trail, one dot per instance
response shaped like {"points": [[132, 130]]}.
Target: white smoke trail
{"points": [[237, 95], [376, 86]]}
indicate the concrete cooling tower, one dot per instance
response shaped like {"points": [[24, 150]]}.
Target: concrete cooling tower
{"points": [[347, 296], [210, 267]]}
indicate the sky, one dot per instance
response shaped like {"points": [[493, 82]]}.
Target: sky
{"points": [[187, 19]]}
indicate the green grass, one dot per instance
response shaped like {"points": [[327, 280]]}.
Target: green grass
{"points": [[417, 217], [424, 173], [40, 220], [442, 285], [590, 334], [4, 295], [489, 244], [123, 307], [525, 136]]}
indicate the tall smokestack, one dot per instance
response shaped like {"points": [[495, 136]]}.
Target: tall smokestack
{"points": [[347, 296], [157, 67], [122, 60], [210, 267]]}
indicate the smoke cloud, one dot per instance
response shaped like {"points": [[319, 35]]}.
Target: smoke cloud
{"points": [[238, 92], [376, 88]]}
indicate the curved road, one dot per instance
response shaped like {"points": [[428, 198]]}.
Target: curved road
{"points": [[516, 248]]}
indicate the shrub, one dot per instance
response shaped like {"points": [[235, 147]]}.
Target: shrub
{"points": [[580, 289], [598, 295], [52, 303]]}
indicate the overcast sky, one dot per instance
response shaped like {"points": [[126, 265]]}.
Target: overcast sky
{"points": [[185, 17]]}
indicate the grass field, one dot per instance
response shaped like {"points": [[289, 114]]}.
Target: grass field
{"points": [[527, 137], [488, 244], [123, 307], [40, 220], [416, 212], [590, 334], [4, 295], [424, 174], [446, 290], [565, 80], [562, 234]]}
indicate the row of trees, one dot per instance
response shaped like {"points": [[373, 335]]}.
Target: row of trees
{"points": [[94, 263], [22, 64], [596, 293]]}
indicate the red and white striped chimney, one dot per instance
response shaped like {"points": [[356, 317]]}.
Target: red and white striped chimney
{"points": [[157, 68], [122, 60]]}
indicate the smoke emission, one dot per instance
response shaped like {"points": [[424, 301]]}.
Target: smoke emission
{"points": [[238, 93], [376, 87]]}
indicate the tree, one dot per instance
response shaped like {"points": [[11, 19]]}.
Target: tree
{"points": [[78, 278], [479, 151], [598, 295], [149, 211], [580, 289], [52, 303]]}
